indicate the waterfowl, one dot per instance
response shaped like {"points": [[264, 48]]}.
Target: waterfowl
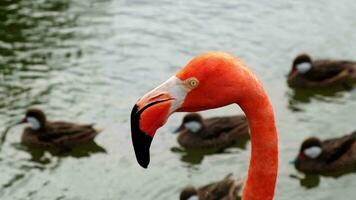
{"points": [[329, 156], [320, 73], [226, 189], [216, 132], [213, 80], [42, 133]]}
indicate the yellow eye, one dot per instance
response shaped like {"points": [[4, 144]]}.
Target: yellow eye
{"points": [[192, 82]]}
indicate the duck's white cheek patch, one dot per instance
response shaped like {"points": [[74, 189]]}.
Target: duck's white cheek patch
{"points": [[313, 152], [193, 126], [304, 67], [195, 197], [35, 124]]}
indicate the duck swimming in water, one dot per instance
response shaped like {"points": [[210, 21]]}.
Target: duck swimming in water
{"points": [[329, 156], [43, 133], [226, 189], [216, 132], [320, 73]]}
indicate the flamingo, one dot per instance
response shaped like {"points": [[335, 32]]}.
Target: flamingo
{"points": [[212, 80]]}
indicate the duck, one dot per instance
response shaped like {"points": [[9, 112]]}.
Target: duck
{"points": [[217, 132], [331, 156], [225, 189], [43, 133], [213, 80], [308, 73]]}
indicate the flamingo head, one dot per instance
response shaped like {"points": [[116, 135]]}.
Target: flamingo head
{"points": [[208, 81]]}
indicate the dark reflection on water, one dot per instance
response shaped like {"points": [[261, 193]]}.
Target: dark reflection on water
{"points": [[79, 151], [309, 181], [32, 35], [3, 136], [300, 96], [196, 156], [27, 33], [313, 180], [46, 160]]}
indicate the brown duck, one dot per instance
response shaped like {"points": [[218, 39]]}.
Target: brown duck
{"points": [[43, 133], [226, 189], [320, 73], [216, 132], [330, 156]]}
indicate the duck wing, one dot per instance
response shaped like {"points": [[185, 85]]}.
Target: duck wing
{"points": [[216, 126], [336, 148], [57, 130], [326, 69]]}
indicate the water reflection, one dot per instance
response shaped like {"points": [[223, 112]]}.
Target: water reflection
{"points": [[44, 159], [32, 35], [196, 156], [78, 151], [313, 180], [300, 96], [308, 181], [3, 136], [27, 35]]}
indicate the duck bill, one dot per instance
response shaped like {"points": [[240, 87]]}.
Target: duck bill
{"points": [[24, 120], [179, 129], [150, 113], [292, 162], [293, 74], [297, 159]]}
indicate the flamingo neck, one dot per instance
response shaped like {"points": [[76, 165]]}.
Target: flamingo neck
{"points": [[263, 167]]}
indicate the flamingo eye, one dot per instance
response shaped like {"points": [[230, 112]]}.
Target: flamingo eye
{"points": [[192, 82]]}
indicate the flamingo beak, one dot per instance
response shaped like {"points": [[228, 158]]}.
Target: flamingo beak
{"points": [[150, 113]]}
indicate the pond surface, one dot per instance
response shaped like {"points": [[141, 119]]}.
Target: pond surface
{"points": [[89, 61]]}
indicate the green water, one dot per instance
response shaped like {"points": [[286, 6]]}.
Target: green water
{"points": [[89, 61]]}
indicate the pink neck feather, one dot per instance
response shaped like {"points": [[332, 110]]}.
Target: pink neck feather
{"points": [[262, 174]]}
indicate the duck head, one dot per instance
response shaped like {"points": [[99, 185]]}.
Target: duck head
{"points": [[301, 65], [310, 149], [193, 122], [36, 118], [206, 82], [189, 193]]}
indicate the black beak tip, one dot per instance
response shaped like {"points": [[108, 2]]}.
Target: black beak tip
{"points": [[143, 162], [142, 143], [140, 140]]}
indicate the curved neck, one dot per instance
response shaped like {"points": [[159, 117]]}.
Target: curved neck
{"points": [[263, 167]]}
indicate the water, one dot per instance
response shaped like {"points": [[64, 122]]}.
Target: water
{"points": [[89, 61]]}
